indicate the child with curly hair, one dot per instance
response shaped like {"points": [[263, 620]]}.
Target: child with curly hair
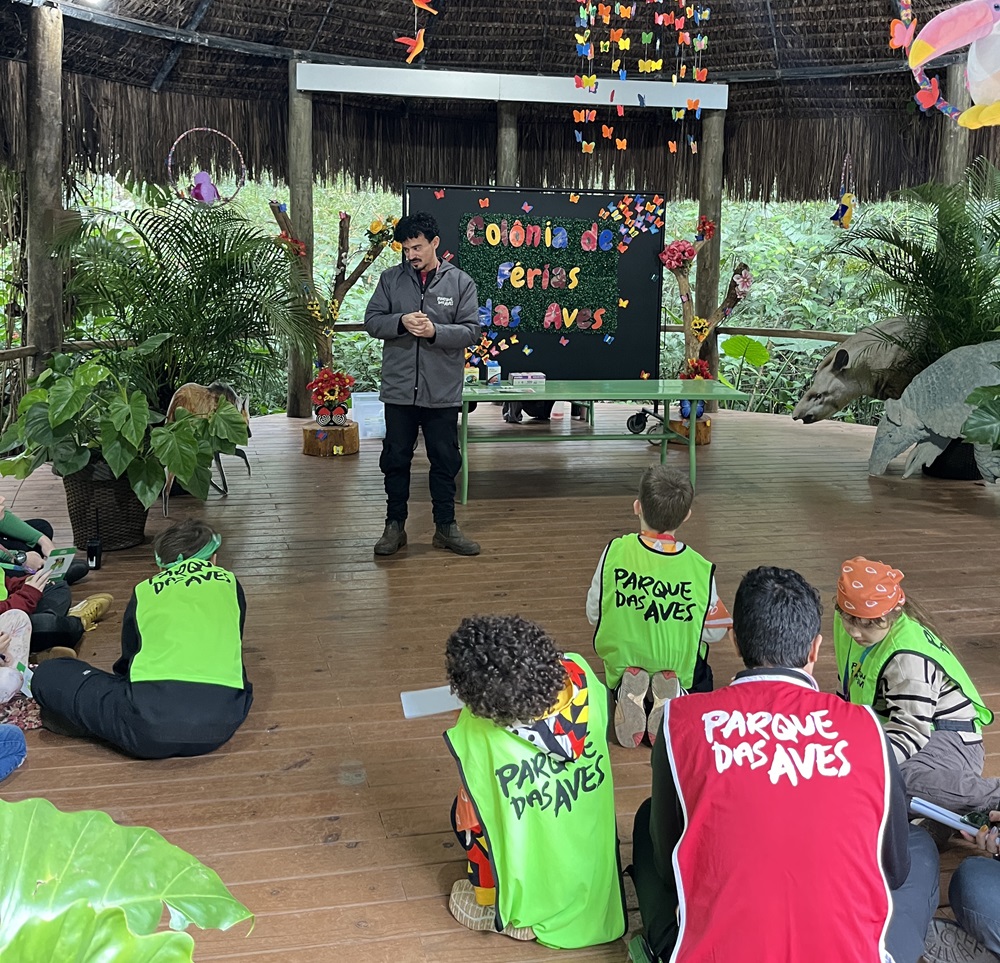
{"points": [[532, 755], [931, 711], [655, 607]]}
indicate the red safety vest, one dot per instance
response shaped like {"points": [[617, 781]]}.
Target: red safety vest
{"points": [[785, 796]]}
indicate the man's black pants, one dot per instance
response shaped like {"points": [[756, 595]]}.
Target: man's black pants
{"points": [[913, 904], [440, 428]]}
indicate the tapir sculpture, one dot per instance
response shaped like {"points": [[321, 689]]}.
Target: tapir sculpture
{"points": [[932, 409], [865, 365]]}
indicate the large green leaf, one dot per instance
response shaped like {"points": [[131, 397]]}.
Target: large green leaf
{"points": [[982, 427], [81, 934], [152, 343], [131, 417], [146, 476], [176, 445], [65, 401], [740, 346], [53, 860], [91, 374], [33, 397], [37, 430], [24, 464], [228, 423], [118, 451], [68, 457]]}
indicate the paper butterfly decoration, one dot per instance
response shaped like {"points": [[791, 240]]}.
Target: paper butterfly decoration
{"points": [[701, 14], [586, 82], [927, 96], [695, 105], [527, 208], [585, 50], [901, 34], [647, 36], [527, 350], [447, 256], [664, 19], [588, 148], [701, 74], [684, 70], [484, 202], [623, 302], [564, 341], [644, 375], [693, 144], [605, 46], [608, 338], [684, 38], [604, 12], [513, 337], [621, 143], [679, 23], [583, 37], [648, 66], [616, 35], [642, 100], [677, 113], [607, 131], [578, 134], [625, 43], [672, 144], [625, 13], [616, 64], [574, 198], [622, 74], [700, 42], [439, 194], [584, 116]]}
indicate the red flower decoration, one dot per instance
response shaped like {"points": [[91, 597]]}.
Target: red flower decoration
{"points": [[330, 386], [706, 228], [696, 369], [676, 253]]}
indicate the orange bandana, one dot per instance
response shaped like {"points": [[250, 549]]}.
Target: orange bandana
{"points": [[867, 589]]}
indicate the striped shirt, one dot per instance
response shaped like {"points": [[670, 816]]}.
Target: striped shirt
{"points": [[913, 694]]}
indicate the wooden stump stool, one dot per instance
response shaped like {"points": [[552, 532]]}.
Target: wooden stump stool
{"points": [[332, 440], [702, 431]]}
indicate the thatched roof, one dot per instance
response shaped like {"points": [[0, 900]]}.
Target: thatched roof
{"points": [[787, 125]]}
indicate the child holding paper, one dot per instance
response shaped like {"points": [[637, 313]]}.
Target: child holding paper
{"points": [[532, 754], [656, 609], [179, 688], [932, 712]]}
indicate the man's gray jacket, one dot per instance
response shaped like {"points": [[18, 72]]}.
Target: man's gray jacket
{"points": [[424, 371]]}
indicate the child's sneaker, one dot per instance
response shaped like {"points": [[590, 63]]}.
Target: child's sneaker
{"points": [[665, 686], [630, 708], [464, 906], [947, 942], [92, 609]]}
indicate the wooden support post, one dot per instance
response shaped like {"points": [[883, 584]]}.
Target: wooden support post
{"points": [[953, 152], [44, 181], [710, 150], [508, 173], [300, 210]]}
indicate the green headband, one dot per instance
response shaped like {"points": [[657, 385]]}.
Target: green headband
{"points": [[204, 553]]}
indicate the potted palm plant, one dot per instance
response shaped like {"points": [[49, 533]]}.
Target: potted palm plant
{"points": [[231, 295], [109, 446]]}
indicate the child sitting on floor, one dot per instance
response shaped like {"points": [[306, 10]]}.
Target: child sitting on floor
{"points": [[932, 713], [179, 688], [656, 609], [536, 810]]}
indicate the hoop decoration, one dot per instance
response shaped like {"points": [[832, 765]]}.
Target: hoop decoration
{"points": [[203, 190]]}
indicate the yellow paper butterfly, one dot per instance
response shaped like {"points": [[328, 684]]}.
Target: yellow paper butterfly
{"points": [[621, 143], [625, 43]]}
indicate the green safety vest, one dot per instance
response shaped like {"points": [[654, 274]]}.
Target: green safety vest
{"points": [[653, 609], [860, 667], [549, 826], [188, 617]]}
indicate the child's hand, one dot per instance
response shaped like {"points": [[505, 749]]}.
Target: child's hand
{"points": [[39, 580], [33, 561]]}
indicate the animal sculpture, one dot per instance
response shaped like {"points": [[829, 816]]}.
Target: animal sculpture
{"points": [[975, 23], [865, 365], [203, 401], [931, 411]]}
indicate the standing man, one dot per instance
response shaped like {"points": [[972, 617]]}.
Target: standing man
{"points": [[426, 312], [777, 830]]}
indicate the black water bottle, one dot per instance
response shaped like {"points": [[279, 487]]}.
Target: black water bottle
{"points": [[94, 553]]}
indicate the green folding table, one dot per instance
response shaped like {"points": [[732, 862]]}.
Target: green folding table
{"points": [[638, 391]]}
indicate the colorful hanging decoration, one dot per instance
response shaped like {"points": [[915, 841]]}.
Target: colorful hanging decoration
{"points": [[847, 203], [677, 257], [976, 23], [203, 190], [637, 38], [901, 37], [415, 44]]}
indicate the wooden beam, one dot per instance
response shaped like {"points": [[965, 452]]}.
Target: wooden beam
{"points": [[43, 105], [711, 147], [171, 59], [518, 88], [953, 151], [300, 210], [508, 168]]}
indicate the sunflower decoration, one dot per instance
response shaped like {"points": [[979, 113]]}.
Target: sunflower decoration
{"points": [[700, 327], [380, 233]]}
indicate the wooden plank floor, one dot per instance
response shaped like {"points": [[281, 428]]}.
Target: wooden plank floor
{"points": [[327, 814]]}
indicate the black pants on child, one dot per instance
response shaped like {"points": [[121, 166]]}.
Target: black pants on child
{"points": [[440, 428], [50, 625], [147, 720]]}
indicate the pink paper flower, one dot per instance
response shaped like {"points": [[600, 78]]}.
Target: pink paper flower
{"points": [[676, 253], [744, 281]]}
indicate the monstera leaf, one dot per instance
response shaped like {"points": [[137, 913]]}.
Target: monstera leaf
{"points": [[77, 886]]}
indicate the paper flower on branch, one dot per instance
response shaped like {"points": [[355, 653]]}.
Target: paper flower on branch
{"points": [[294, 244], [744, 281], [380, 232], [700, 327], [330, 387], [676, 254], [706, 229], [695, 369]]}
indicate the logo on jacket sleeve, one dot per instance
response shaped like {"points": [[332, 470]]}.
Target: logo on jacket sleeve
{"points": [[446, 302]]}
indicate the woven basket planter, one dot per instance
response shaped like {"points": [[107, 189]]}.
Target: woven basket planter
{"points": [[101, 505]]}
